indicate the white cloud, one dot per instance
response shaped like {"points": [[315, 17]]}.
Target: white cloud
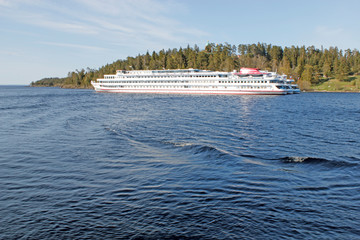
{"points": [[74, 34], [141, 21], [69, 45], [70, 27], [5, 3]]}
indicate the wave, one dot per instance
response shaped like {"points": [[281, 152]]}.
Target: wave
{"points": [[320, 161], [206, 151], [203, 150], [32, 106], [118, 132]]}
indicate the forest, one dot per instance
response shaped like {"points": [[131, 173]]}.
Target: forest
{"points": [[330, 69]]}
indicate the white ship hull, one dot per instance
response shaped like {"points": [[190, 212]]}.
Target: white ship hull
{"points": [[192, 81], [199, 91]]}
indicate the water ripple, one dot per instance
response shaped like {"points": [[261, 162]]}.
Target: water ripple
{"points": [[320, 161], [75, 164]]}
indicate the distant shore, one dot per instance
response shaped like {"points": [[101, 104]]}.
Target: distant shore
{"points": [[61, 86]]}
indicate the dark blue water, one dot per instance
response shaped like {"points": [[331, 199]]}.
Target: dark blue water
{"points": [[75, 164]]}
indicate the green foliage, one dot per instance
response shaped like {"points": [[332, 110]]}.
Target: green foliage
{"points": [[308, 65], [307, 77], [350, 84], [308, 73], [48, 82]]}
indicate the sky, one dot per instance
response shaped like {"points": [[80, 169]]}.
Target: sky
{"points": [[49, 38]]}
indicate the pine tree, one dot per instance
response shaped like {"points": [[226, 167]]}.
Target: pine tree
{"points": [[285, 66], [326, 70], [202, 60]]}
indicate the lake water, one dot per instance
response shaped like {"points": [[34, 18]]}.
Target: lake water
{"points": [[76, 164]]}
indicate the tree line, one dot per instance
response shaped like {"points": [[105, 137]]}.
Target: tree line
{"points": [[307, 65]]}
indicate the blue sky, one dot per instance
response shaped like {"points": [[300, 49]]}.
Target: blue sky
{"points": [[47, 38]]}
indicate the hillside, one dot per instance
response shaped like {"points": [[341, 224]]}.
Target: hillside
{"points": [[314, 69]]}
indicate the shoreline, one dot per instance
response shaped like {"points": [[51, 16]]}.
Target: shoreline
{"points": [[325, 91], [304, 91]]}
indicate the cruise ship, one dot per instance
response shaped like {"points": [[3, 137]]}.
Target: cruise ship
{"points": [[195, 81]]}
